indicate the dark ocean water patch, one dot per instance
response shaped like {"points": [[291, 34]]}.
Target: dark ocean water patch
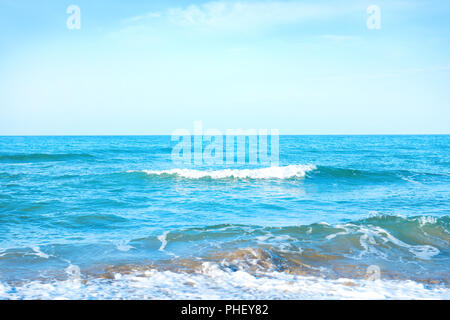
{"points": [[149, 150], [271, 206], [374, 176], [123, 178], [9, 177], [94, 220], [43, 157], [115, 182], [423, 230]]}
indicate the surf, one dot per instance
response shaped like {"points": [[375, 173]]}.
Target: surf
{"points": [[286, 172]]}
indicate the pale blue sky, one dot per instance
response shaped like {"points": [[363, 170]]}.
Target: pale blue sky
{"points": [[149, 67]]}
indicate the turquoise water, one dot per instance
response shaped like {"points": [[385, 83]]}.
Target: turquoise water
{"points": [[113, 217]]}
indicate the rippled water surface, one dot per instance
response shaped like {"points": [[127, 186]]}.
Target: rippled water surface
{"points": [[113, 217]]}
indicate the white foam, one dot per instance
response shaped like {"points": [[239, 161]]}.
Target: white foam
{"points": [[284, 243], [214, 282], [73, 278], [427, 220], [124, 246], [39, 253], [163, 239], [286, 172], [424, 252], [334, 235], [73, 272], [370, 245]]}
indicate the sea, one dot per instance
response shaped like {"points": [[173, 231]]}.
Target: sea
{"points": [[113, 217]]}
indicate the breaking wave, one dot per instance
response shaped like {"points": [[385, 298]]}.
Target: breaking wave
{"points": [[291, 171], [212, 281]]}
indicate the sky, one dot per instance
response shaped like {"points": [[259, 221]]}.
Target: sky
{"points": [[151, 67]]}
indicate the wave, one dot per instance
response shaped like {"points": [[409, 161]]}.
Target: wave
{"points": [[298, 171], [319, 246], [214, 282], [291, 171], [261, 262]]}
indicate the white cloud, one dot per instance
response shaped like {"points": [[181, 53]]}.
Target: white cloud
{"points": [[235, 15], [150, 15], [246, 14]]}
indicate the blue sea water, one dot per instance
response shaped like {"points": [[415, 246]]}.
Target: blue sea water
{"points": [[113, 217]]}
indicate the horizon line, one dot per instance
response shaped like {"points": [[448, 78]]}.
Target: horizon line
{"points": [[168, 135]]}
